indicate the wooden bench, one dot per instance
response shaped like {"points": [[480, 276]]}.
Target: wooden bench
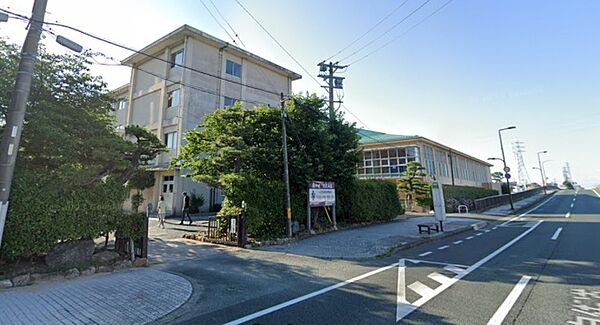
{"points": [[428, 227]]}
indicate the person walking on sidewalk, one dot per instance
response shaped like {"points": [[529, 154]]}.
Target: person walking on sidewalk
{"points": [[161, 208], [186, 209]]}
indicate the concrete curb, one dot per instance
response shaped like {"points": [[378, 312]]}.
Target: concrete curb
{"points": [[440, 236], [526, 208]]}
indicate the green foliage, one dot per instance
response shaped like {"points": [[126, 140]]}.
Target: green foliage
{"points": [[497, 177], [196, 202], [72, 164], [246, 142], [464, 195], [568, 185], [369, 201], [413, 183], [140, 180]]}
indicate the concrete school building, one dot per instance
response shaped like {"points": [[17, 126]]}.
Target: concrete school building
{"points": [[185, 75], [385, 156]]}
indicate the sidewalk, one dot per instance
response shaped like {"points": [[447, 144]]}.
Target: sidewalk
{"points": [[134, 296], [504, 210], [369, 241]]}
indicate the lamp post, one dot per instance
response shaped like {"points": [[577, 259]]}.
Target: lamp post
{"points": [[506, 174], [542, 170]]}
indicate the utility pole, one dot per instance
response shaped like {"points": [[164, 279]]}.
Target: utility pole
{"points": [[327, 73], [286, 172], [11, 136], [542, 170], [506, 169]]}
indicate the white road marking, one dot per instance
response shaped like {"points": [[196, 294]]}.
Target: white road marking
{"points": [[439, 277], [404, 309], [487, 230], [479, 234], [455, 269], [495, 228], [509, 302], [401, 287], [421, 289], [568, 215], [574, 199], [529, 211], [469, 238], [443, 247], [437, 263], [572, 205], [555, 236], [425, 254], [308, 296], [457, 242]]}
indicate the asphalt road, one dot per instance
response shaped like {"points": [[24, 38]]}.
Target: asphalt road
{"points": [[524, 271]]}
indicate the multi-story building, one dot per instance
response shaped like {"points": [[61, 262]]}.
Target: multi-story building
{"points": [[175, 82], [385, 156]]}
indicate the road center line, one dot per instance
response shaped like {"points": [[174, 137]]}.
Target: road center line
{"points": [[443, 247], [479, 234], [555, 236], [568, 215], [509, 302], [425, 254], [469, 238], [572, 205], [457, 242]]}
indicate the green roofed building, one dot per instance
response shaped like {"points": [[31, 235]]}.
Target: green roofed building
{"points": [[384, 156]]}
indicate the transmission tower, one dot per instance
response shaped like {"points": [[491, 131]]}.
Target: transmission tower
{"points": [[523, 176]]}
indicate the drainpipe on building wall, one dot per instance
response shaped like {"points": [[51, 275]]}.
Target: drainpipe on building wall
{"points": [[220, 74], [451, 166]]}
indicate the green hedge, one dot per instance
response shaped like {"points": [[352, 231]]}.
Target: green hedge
{"points": [[43, 213], [464, 195], [368, 201]]}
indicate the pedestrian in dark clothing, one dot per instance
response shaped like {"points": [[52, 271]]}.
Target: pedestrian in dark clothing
{"points": [[186, 209]]}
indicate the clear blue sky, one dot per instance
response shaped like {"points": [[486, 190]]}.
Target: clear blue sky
{"points": [[474, 67]]}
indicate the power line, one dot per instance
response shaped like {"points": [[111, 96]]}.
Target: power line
{"points": [[172, 63], [386, 31], [368, 31], [277, 42], [228, 24], [401, 35], [217, 21]]}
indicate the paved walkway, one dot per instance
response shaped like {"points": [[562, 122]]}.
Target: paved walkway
{"points": [[505, 210], [366, 241], [133, 296]]}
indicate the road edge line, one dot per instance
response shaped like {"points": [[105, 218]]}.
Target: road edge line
{"points": [[509, 302]]}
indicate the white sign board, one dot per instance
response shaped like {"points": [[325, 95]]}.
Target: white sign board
{"points": [[439, 204], [321, 194]]}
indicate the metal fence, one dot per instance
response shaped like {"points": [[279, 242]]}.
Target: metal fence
{"points": [[496, 200], [229, 230]]}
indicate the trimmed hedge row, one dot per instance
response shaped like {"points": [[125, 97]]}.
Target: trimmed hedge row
{"points": [[464, 195], [369, 201]]}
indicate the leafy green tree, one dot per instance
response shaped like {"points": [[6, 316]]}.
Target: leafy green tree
{"points": [[141, 180], [413, 183], [497, 177], [72, 164], [246, 142]]}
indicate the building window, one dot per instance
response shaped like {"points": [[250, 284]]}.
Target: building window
{"points": [[171, 140], [122, 104], [173, 100], [229, 101], [177, 58], [234, 69], [386, 163]]}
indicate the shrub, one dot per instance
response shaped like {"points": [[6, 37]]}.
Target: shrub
{"points": [[368, 201], [196, 202], [464, 195]]}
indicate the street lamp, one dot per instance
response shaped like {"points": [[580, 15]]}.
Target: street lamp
{"points": [[506, 169], [542, 170]]}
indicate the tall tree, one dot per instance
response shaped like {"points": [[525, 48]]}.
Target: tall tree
{"points": [[497, 177], [413, 183]]}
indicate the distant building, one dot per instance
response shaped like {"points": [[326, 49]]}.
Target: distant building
{"points": [[385, 156], [169, 99]]}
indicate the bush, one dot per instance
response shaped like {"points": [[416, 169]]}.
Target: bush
{"points": [[43, 212], [264, 200], [464, 195], [196, 202], [368, 201]]}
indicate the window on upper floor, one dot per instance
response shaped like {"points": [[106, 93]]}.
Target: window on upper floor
{"points": [[171, 140], [173, 99], [122, 104], [228, 101], [177, 58], [233, 68]]}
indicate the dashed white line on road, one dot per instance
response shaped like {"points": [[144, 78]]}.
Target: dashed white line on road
{"points": [[479, 234], [443, 247], [495, 228], [555, 236], [424, 254], [509, 302], [568, 215], [470, 237], [574, 199], [487, 230], [572, 205], [457, 242], [528, 212]]}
